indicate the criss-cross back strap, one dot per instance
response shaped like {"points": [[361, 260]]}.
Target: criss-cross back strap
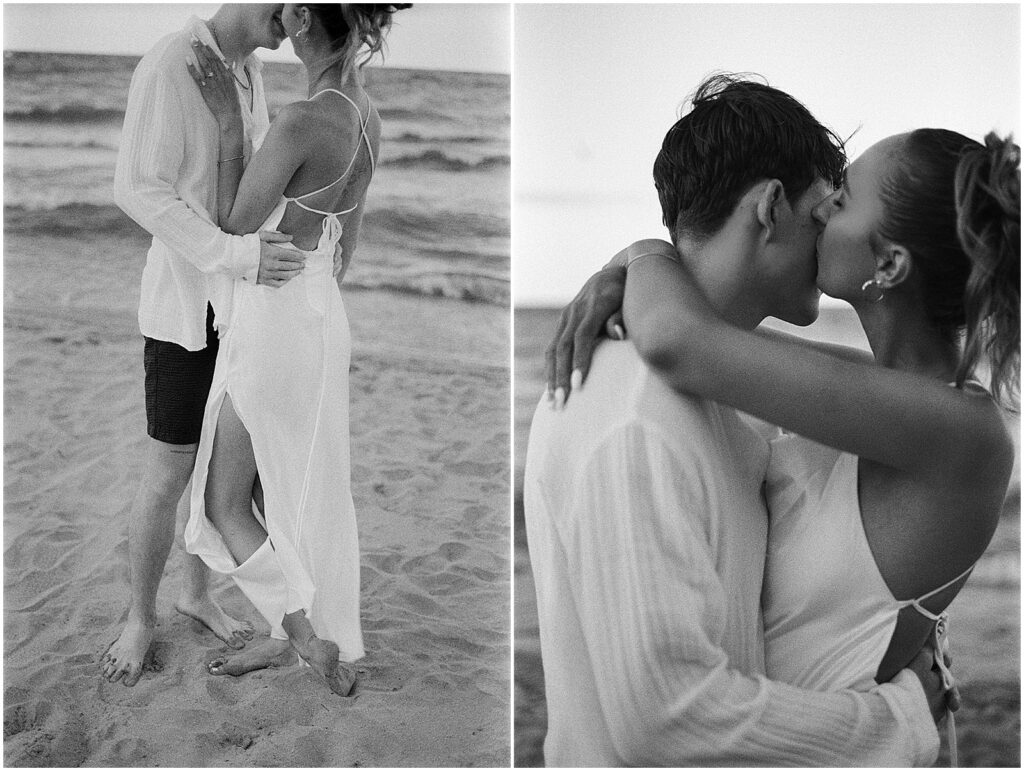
{"points": [[363, 121]]}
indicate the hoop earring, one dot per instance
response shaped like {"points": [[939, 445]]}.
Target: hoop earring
{"points": [[878, 286]]}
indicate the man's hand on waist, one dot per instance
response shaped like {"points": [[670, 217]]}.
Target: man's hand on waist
{"points": [[278, 265]]}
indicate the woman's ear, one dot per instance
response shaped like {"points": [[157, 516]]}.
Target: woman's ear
{"points": [[893, 266], [770, 201]]}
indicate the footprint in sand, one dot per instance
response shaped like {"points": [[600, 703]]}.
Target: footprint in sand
{"points": [[219, 688], [54, 740], [420, 604], [233, 736], [22, 717], [386, 563], [446, 583]]}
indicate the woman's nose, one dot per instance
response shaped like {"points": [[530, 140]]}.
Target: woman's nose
{"points": [[823, 210]]}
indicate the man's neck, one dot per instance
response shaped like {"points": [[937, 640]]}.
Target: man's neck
{"points": [[719, 269], [230, 35]]}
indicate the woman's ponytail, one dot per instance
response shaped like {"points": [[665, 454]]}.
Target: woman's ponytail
{"points": [[988, 227]]}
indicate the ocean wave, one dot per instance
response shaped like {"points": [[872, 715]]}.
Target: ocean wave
{"points": [[87, 221], [411, 113], [438, 161], [413, 138], [68, 113], [429, 228], [70, 220], [455, 286], [35, 63], [65, 142]]}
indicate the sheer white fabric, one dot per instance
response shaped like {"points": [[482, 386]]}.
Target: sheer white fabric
{"points": [[166, 180], [284, 359], [647, 535]]}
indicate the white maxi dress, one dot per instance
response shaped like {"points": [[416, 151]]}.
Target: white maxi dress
{"points": [[284, 361]]}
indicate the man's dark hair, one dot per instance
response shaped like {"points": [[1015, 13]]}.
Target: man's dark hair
{"points": [[738, 133]]}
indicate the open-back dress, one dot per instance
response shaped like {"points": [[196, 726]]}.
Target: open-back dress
{"points": [[284, 361]]}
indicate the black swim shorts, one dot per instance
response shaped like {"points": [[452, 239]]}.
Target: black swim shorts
{"points": [[177, 385]]}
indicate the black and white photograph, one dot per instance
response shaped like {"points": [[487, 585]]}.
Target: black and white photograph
{"points": [[794, 542], [257, 385], [581, 385]]}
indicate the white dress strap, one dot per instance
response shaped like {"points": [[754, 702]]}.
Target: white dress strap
{"points": [[362, 121], [940, 646], [364, 138], [916, 602]]}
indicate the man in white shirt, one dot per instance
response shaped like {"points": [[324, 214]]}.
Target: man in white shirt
{"points": [[166, 181], [645, 518]]}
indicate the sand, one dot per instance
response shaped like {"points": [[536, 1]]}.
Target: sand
{"points": [[430, 481], [985, 616]]}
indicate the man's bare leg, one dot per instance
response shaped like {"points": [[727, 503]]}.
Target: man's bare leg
{"points": [[150, 533], [151, 522]]}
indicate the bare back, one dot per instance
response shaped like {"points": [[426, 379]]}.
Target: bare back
{"points": [[925, 530], [337, 153]]}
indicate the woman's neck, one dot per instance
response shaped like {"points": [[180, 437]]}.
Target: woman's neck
{"points": [[901, 338], [320, 79]]}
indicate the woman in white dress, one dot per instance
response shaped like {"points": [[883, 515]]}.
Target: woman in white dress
{"points": [[278, 406], [870, 542]]}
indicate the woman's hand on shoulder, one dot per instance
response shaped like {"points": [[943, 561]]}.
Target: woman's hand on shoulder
{"points": [[215, 81], [595, 312]]}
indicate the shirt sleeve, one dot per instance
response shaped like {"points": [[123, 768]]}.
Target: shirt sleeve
{"points": [[151, 151], [653, 613]]}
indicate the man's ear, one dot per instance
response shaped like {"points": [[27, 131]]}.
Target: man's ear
{"points": [[769, 202], [893, 265]]}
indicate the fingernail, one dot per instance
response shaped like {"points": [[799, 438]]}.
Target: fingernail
{"points": [[559, 398], [548, 396], [620, 332], [576, 380]]}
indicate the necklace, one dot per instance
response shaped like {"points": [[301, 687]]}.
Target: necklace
{"points": [[248, 84]]}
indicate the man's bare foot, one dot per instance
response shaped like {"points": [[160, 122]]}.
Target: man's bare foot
{"points": [[125, 657], [260, 655], [322, 656], [230, 631]]}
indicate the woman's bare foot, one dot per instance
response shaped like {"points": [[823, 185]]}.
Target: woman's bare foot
{"points": [[321, 655], [125, 657], [261, 655], [230, 631]]}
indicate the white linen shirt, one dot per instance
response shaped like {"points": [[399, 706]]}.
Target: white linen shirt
{"points": [[166, 180], [647, 535]]}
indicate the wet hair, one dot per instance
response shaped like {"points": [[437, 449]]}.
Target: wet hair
{"points": [[355, 27], [738, 133], [954, 204]]}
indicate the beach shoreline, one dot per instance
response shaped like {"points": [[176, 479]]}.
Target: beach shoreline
{"points": [[429, 417]]}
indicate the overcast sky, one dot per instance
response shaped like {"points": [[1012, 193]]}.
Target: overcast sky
{"points": [[595, 88], [469, 37]]}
